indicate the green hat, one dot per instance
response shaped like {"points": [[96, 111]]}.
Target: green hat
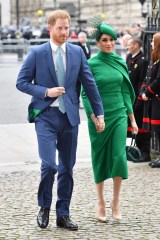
{"points": [[100, 28], [106, 29]]}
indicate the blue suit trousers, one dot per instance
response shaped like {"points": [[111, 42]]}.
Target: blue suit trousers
{"points": [[55, 133]]}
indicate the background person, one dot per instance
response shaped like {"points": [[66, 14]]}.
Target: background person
{"points": [[50, 74], [82, 42], [73, 35], [137, 67], [108, 149], [151, 94], [124, 42]]}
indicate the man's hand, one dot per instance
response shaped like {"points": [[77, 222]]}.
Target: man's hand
{"points": [[55, 92], [145, 98]]}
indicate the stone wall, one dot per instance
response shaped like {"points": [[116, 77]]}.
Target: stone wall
{"points": [[5, 12], [118, 13]]}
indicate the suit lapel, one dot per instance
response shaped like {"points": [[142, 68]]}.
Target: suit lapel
{"points": [[49, 59], [68, 62]]}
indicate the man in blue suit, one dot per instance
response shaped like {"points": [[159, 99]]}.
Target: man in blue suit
{"points": [[55, 110]]}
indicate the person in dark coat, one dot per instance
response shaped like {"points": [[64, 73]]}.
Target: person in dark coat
{"points": [[137, 66], [82, 42], [151, 93]]}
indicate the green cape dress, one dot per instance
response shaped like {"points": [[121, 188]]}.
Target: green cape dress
{"points": [[108, 148]]}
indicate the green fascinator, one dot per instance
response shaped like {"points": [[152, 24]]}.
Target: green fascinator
{"points": [[100, 28], [107, 29]]}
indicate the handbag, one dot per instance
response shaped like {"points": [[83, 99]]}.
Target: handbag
{"points": [[133, 153]]}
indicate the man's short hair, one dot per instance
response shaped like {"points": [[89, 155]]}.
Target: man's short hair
{"points": [[58, 14], [136, 40]]}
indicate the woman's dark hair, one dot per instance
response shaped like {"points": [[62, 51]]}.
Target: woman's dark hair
{"points": [[155, 55]]}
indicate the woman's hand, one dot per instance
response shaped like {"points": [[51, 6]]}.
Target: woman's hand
{"points": [[134, 127], [99, 123], [145, 98], [133, 123]]}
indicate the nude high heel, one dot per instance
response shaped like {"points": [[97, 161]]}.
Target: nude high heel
{"points": [[100, 213], [116, 215]]}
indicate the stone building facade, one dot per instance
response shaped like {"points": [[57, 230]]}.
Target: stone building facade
{"points": [[4, 12], [118, 13]]}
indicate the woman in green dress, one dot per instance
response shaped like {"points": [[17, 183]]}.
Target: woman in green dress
{"points": [[108, 148]]}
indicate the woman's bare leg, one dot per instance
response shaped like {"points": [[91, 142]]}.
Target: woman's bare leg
{"points": [[117, 182], [101, 214]]}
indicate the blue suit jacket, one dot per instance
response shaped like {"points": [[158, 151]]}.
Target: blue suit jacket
{"points": [[38, 73]]}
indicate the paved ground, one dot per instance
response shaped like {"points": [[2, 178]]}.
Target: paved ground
{"points": [[19, 178]]}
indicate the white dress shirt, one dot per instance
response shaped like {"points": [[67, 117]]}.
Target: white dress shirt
{"points": [[54, 48], [85, 45], [133, 55]]}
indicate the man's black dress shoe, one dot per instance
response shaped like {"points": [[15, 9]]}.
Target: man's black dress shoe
{"points": [[150, 163], [156, 164], [65, 222], [43, 217]]}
